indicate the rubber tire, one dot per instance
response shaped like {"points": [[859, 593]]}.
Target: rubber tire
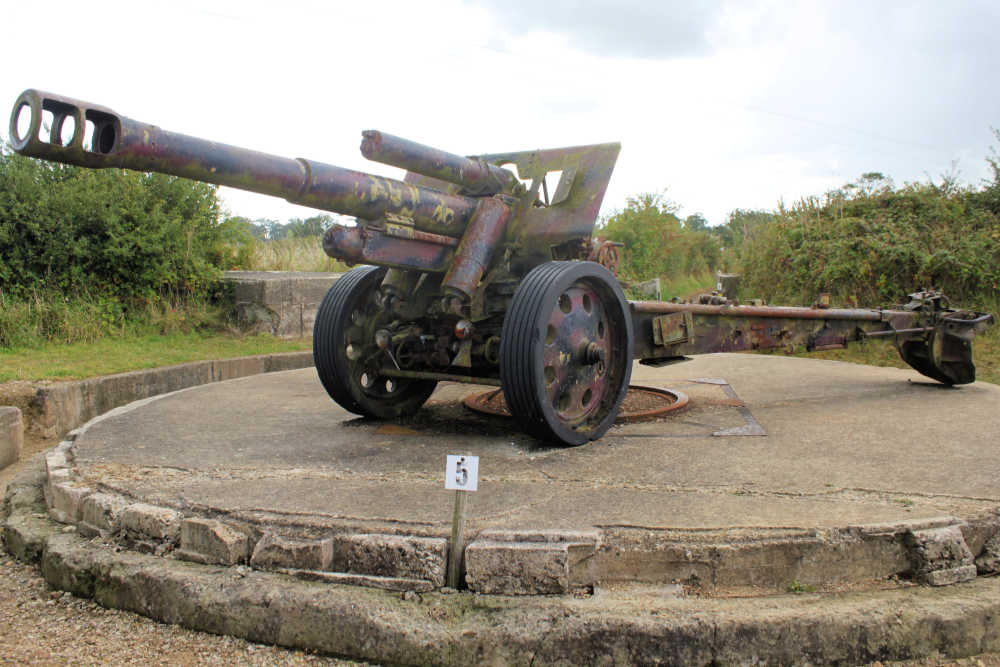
{"points": [[329, 353], [521, 348]]}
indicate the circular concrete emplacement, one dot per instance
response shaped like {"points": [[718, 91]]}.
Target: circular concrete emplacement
{"points": [[780, 472]]}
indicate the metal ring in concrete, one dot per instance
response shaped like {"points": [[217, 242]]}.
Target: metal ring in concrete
{"points": [[640, 404]]}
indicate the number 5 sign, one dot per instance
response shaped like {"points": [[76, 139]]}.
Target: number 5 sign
{"points": [[462, 473]]}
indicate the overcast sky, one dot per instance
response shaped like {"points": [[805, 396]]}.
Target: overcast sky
{"points": [[721, 104]]}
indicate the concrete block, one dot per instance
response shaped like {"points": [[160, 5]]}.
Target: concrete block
{"points": [[66, 503], [399, 584], [211, 541], [395, 556], [649, 289], [939, 549], [149, 521], [101, 512], [311, 288], [11, 435], [283, 303], [57, 476], [57, 407], [950, 576], [290, 321], [518, 568], [988, 561], [55, 460], [273, 552]]}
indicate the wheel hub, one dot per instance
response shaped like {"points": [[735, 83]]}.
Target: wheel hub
{"points": [[576, 345]]}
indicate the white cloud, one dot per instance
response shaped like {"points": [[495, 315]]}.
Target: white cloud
{"points": [[732, 105]]}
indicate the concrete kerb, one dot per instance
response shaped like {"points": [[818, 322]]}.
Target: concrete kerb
{"points": [[394, 562], [59, 408], [11, 435], [464, 628]]}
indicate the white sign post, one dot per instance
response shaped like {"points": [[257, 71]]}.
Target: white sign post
{"points": [[461, 475]]}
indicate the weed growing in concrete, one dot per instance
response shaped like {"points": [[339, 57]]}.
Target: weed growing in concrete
{"points": [[798, 587]]}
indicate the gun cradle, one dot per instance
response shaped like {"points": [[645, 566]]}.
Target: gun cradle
{"points": [[476, 271]]}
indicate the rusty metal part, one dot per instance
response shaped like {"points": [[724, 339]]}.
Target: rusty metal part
{"points": [[896, 332], [440, 377], [475, 252], [493, 403], [569, 216], [790, 312], [606, 253], [364, 245], [405, 232], [474, 175], [932, 339], [121, 142]]}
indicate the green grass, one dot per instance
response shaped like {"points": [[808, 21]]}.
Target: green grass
{"points": [[985, 354], [798, 587], [75, 361], [687, 286], [291, 254], [684, 286]]}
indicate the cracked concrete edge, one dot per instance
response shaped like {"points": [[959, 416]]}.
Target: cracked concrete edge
{"points": [[466, 628], [542, 562], [165, 531]]}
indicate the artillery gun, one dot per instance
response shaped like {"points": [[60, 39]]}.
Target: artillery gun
{"points": [[475, 273]]}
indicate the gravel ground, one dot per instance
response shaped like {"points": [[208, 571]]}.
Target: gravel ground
{"points": [[44, 627]]}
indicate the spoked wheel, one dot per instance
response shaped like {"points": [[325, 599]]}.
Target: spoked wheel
{"points": [[347, 359], [566, 351]]}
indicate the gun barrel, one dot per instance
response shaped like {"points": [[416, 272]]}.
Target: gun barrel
{"points": [[475, 175], [88, 135]]}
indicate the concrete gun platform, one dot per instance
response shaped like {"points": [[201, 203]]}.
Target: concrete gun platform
{"points": [[854, 459], [790, 513]]}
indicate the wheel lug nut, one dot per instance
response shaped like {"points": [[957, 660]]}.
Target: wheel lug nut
{"points": [[382, 338], [593, 353]]}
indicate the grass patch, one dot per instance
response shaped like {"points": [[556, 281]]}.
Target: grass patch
{"points": [[301, 253], [798, 587], [683, 286], [73, 361], [688, 286], [985, 354]]}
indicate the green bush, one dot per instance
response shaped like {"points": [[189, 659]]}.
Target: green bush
{"points": [[876, 242], [657, 243], [128, 236]]}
